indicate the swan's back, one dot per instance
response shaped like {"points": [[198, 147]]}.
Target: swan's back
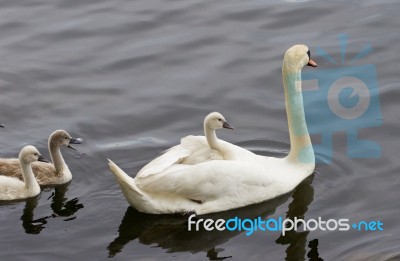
{"points": [[9, 168], [11, 188], [168, 158], [221, 184], [199, 149], [197, 145], [194, 150]]}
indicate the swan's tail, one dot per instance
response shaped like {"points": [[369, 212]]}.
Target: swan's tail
{"points": [[132, 193], [147, 202]]}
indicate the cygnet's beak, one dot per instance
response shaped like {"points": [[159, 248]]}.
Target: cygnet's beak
{"points": [[43, 159], [312, 63], [74, 141], [227, 126]]}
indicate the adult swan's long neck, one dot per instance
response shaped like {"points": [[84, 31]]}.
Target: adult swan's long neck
{"points": [[301, 150]]}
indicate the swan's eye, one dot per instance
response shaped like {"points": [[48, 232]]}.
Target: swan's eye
{"points": [[35, 154], [66, 138], [309, 54], [219, 119]]}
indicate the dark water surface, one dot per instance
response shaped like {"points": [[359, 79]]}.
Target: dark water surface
{"points": [[133, 77]]}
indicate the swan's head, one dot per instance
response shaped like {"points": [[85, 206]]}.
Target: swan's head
{"points": [[215, 120], [298, 56], [30, 154], [62, 138]]}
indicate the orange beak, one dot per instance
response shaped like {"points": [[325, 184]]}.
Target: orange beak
{"points": [[312, 63]]}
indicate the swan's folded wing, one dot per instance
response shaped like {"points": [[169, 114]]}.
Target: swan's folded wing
{"points": [[44, 173], [206, 181], [228, 151], [179, 180], [193, 143], [174, 155], [200, 150], [168, 158]]}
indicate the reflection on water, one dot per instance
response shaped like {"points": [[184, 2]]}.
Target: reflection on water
{"points": [[313, 253], [61, 206], [170, 231], [30, 225], [297, 241], [212, 254]]}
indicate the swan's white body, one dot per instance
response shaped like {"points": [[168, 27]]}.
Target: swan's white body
{"points": [[242, 178], [12, 188], [54, 173]]}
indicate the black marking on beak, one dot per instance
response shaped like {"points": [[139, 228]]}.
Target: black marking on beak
{"points": [[1, 125], [43, 159], [74, 141], [227, 126]]}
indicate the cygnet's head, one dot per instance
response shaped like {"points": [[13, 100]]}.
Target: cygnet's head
{"points": [[30, 154], [297, 56], [62, 138], [215, 120]]}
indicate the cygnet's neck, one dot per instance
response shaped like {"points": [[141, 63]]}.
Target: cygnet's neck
{"points": [[56, 157], [211, 136], [29, 178], [301, 150]]}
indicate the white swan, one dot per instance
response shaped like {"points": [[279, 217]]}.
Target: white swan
{"points": [[199, 148], [194, 149], [46, 173], [13, 188], [244, 179]]}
